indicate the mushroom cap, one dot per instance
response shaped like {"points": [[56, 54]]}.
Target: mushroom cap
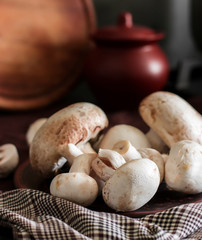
{"points": [[75, 187], [76, 124], [183, 167], [9, 159], [124, 132], [171, 117], [132, 185], [33, 128]]}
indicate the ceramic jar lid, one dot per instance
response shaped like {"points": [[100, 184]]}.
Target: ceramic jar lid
{"points": [[125, 30]]}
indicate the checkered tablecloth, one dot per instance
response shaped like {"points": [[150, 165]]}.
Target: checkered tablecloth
{"points": [[34, 214]]}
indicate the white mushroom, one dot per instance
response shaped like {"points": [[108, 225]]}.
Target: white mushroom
{"points": [[124, 132], [183, 167], [33, 128], [125, 148], [72, 151], [156, 157], [132, 185], [171, 117], [9, 159], [106, 163], [76, 186], [77, 124]]}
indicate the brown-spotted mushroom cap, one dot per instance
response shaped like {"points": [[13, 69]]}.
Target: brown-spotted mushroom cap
{"points": [[77, 124]]}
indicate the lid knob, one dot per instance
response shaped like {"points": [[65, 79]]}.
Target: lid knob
{"points": [[125, 20]]}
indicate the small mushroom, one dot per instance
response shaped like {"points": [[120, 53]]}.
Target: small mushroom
{"points": [[72, 152], [76, 185], [106, 163], [156, 157], [33, 128], [183, 167], [125, 148], [124, 132], [77, 124], [9, 159], [132, 185]]}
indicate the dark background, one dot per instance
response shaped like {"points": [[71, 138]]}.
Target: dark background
{"points": [[180, 21]]}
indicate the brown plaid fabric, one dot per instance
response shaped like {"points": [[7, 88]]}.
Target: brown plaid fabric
{"points": [[37, 215]]}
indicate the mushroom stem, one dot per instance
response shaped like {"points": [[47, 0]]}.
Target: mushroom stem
{"points": [[106, 163], [103, 171], [83, 163], [125, 148], [111, 157], [71, 151], [86, 148], [59, 164]]}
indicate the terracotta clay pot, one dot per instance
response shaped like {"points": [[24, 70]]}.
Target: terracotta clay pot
{"points": [[42, 48], [126, 65]]}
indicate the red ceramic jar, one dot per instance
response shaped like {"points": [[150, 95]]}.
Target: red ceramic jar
{"points": [[126, 65]]}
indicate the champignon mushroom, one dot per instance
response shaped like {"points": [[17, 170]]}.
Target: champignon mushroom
{"points": [[106, 163], [33, 128], [125, 148], [132, 185], [124, 132], [9, 159], [156, 157], [183, 167], [76, 124], [76, 185], [72, 152], [171, 117]]}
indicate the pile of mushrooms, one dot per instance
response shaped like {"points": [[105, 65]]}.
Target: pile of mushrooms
{"points": [[123, 164]]}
